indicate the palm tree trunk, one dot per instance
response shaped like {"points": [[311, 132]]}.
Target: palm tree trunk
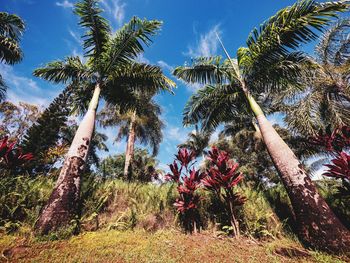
{"points": [[63, 203], [318, 227], [129, 154]]}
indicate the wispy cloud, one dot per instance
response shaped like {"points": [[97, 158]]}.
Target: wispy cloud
{"points": [[75, 36], [65, 4], [142, 59], [176, 134], [165, 66], [116, 9], [207, 44], [24, 89]]}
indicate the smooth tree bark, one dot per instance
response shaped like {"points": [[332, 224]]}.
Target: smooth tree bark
{"points": [[317, 225], [62, 205], [129, 153]]}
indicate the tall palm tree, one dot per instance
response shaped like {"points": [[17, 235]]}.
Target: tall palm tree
{"points": [[11, 29], [326, 101], [142, 123], [110, 67], [270, 64]]}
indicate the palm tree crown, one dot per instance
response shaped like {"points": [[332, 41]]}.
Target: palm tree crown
{"points": [[11, 29]]}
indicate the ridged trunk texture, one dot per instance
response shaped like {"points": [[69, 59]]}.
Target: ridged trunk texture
{"points": [[318, 227], [129, 153], [63, 203]]}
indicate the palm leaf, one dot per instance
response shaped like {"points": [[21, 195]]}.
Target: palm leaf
{"points": [[141, 78], [98, 30], [289, 28], [205, 70], [10, 52], [71, 69], [334, 42], [127, 42], [213, 105]]}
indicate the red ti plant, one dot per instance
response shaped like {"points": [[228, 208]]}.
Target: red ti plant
{"points": [[12, 157], [336, 143], [221, 177], [188, 180]]}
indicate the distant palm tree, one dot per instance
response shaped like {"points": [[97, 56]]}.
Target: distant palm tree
{"points": [[197, 141], [11, 29], [326, 101], [142, 123], [109, 68], [269, 64]]}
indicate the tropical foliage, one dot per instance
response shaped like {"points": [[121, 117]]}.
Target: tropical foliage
{"points": [[11, 30]]}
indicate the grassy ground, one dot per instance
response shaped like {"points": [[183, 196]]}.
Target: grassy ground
{"points": [[161, 246]]}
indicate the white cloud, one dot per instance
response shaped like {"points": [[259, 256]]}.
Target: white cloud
{"points": [[142, 59], [25, 89], [176, 134], [207, 44], [75, 36], [116, 9], [65, 4], [165, 66]]}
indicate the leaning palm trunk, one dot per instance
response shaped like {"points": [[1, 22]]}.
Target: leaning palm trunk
{"points": [[63, 203], [318, 227], [129, 154]]}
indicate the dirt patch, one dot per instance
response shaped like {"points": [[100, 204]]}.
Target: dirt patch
{"points": [[292, 252]]}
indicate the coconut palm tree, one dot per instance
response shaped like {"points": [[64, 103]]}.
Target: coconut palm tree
{"points": [[11, 30], [326, 101], [141, 123], [268, 64], [108, 71]]}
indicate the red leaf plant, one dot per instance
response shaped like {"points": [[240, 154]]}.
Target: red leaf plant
{"points": [[220, 178], [12, 157], [188, 179], [333, 141], [336, 142]]}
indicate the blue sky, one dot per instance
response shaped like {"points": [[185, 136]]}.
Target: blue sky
{"points": [[188, 31]]}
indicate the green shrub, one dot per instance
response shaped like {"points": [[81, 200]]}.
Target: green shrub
{"points": [[21, 198], [258, 218]]}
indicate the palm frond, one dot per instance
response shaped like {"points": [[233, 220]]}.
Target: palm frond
{"points": [[71, 69], [289, 28], [303, 117], [206, 70], [98, 30], [286, 72], [128, 42], [141, 77], [10, 52], [11, 26], [334, 42], [213, 105]]}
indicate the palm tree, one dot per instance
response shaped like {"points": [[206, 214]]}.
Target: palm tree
{"points": [[110, 67], [142, 123], [270, 64], [326, 101], [11, 29], [197, 141]]}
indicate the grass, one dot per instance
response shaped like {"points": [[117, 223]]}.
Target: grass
{"points": [[160, 246]]}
